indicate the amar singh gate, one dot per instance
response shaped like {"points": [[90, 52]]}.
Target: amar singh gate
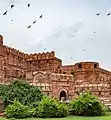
{"points": [[46, 71]]}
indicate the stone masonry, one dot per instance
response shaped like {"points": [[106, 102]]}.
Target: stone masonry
{"points": [[46, 71]]}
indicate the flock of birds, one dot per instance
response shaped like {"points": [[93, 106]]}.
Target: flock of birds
{"points": [[98, 14], [29, 26]]}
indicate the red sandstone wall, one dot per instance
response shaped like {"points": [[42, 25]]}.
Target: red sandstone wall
{"points": [[68, 69], [62, 82], [14, 64], [17, 64], [55, 77], [94, 79]]}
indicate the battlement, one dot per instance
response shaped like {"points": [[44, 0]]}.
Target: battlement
{"points": [[41, 56], [104, 71], [29, 57], [14, 51]]}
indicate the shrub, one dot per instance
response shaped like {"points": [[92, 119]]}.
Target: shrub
{"points": [[63, 110], [48, 107], [17, 110], [22, 91], [87, 105]]}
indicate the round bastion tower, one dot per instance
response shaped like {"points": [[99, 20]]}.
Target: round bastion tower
{"points": [[86, 75], [1, 60]]}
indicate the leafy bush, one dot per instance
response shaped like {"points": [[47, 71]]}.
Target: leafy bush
{"points": [[17, 110], [87, 105], [63, 110], [22, 91], [48, 107]]}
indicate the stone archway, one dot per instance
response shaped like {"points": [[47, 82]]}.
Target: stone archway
{"points": [[63, 95]]}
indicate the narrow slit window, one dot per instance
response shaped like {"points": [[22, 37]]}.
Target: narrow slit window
{"points": [[79, 65], [95, 65]]}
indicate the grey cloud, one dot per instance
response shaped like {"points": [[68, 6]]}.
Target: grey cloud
{"points": [[60, 29]]}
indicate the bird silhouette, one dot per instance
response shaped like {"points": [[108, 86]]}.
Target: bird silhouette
{"points": [[12, 6], [40, 16], [94, 32], [5, 13], [34, 22], [44, 48], [84, 49], [28, 5], [98, 14], [109, 14], [29, 26]]}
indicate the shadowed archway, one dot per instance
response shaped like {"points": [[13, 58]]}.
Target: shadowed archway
{"points": [[63, 94]]}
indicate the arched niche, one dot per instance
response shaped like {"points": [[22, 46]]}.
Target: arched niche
{"points": [[39, 77]]}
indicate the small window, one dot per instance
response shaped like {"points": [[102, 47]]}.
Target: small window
{"points": [[64, 72], [79, 65], [95, 65], [72, 73], [58, 67], [99, 93]]}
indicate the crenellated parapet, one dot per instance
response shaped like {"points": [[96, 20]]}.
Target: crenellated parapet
{"points": [[29, 57], [104, 71], [41, 56], [13, 51]]}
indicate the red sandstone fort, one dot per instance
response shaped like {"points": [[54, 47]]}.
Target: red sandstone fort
{"points": [[46, 71]]}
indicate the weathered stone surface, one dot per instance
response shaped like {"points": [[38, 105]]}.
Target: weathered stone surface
{"points": [[46, 71]]}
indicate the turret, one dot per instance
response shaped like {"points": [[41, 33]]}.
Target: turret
{"points": [[86, 65]]}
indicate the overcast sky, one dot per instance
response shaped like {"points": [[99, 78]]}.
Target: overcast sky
{"points": [[67, 27]]}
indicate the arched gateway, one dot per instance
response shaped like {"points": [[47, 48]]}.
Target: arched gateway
{"points": [[63, 95]]}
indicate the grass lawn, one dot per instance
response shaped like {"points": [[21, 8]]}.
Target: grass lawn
{"points": [[108, 117]]}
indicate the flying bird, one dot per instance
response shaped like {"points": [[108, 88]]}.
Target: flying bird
{"points": [[28, 5], [109, 14], [12, 6], [5, 13], [40, 16], [98, 14], [84, 49], [29, 26], [94, 32], [44, 48], [34, 22]]}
